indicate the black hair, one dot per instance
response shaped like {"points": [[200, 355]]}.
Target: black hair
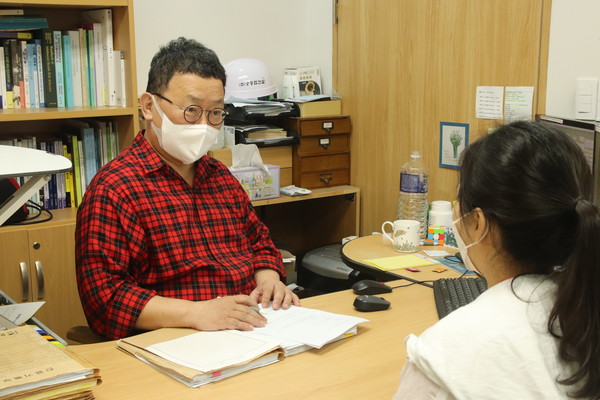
{"points": [[534, 185], [185, 56]]}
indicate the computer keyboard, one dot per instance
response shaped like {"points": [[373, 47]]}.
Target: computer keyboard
{"points": [[452, 293]]}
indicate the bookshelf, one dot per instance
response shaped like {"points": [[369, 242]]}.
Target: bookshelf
{"points": [[64, 15], [39, 262]]}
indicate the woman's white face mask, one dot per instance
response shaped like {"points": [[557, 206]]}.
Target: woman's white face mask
{"points": [[187, 143], [463, 249]]}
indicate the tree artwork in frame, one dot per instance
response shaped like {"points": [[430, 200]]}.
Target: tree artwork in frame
{"points": [[454, 137]]}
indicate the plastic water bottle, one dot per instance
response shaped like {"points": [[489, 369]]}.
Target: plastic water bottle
{"points": [[412, 201]]}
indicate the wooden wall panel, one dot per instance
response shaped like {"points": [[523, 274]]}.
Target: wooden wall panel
{"points": [[402, 66]]}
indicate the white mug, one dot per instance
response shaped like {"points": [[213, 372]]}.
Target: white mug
{"points": [[405, 235]]}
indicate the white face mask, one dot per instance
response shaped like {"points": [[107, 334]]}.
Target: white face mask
{"points": [[463, 249], [187, 143]]}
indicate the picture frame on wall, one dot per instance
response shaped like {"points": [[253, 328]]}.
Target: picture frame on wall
{"points": [[454, 138]]}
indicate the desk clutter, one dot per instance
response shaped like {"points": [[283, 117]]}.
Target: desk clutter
{"points": [[196, 358], [33, 367]]}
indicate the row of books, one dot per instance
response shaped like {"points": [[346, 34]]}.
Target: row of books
{"points": [[70, 68], [89, 144]]}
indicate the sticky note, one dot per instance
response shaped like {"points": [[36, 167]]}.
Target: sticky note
{"points": [[399, 262]]}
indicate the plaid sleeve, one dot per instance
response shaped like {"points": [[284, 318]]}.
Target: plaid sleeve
{"points": [[108, 238]]}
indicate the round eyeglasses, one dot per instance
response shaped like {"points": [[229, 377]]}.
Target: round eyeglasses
{"points": [[193, 112]]}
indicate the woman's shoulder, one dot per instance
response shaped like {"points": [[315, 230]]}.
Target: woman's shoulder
{"points": [[515, 304]]}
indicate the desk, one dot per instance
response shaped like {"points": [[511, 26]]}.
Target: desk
{"points": [[365, 366], [378, 246], [303, 223]]}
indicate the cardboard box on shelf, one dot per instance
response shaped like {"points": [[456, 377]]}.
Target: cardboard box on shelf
{"points": [[321, 108], [258, 185]]}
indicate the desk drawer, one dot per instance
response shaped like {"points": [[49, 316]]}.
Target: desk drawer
{"points": [[322, 179], [321, 145], [320, 126], [321, 163]]}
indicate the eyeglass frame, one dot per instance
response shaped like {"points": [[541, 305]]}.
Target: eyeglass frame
{"points": [[202, 110]]}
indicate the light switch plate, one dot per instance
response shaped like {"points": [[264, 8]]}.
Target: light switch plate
{"points": [[586, 98]]}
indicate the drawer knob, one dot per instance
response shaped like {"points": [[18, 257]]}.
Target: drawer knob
{"points": [[326, 178], [324, 143], [327, 125]]}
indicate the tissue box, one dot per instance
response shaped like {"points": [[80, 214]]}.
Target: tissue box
{"points": [[258, 186]]}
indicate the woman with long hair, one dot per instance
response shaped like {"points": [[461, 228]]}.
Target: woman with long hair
{"points": [[526, 222]]}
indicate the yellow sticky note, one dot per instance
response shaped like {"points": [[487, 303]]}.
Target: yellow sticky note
{"points": [[399, 262]]}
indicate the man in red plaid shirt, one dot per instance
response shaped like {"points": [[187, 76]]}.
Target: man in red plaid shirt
{"points": [[166, 236]]}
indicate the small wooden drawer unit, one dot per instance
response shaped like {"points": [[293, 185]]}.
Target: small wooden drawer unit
{"points": [[322, 158]]}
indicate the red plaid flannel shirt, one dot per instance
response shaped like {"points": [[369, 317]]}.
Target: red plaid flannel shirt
{"points": [[143, 231]]}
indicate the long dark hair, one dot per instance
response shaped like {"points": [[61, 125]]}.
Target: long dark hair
{"points": [[529, 179]]}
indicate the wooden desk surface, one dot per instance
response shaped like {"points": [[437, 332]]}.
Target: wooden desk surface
{"points": [[378, 246], [365, 366]]}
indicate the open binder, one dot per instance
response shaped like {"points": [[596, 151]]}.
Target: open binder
{"points": [[197, 358]]}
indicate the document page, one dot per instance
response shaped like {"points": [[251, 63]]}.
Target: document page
{"points": [[19, 313], [210, 351], [306, 326]]}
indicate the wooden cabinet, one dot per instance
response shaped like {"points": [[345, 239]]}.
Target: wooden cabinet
{"points": [[38, 264], [322, 159]]}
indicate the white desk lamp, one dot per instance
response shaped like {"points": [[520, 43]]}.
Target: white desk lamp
{"points": [[21, 161]]}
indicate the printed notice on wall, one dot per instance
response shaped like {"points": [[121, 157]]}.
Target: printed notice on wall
{"points": [[488, 103], [518, 103]]}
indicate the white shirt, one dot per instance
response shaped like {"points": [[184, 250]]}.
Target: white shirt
{"points": [[497, 347]]}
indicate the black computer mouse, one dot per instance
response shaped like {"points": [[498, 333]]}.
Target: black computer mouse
{"points": [[366, 302], [367, 286]]}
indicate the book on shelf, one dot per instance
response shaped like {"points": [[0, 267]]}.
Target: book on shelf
{"points": [[120, 78], [91, 64], [22, 23], [17, 74], [39, 61], [76, 68], [8, 74], [34, 90], [196, 358], [104, 18], [49, 68], [11, 11], [258, 132], [67, 69], [95, 30], [83, 62], [25, 94], [59, 71], [34, 368], [3, 91], [15, 35]]}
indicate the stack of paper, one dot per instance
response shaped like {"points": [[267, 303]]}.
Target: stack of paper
{"points": [[196, 358], [32, 367], [266, 108]]}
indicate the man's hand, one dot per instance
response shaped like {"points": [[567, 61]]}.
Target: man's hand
{"points": [[230, 312], [270, 288]]}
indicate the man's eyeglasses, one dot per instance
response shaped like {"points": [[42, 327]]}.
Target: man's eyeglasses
{"points": [[193, 112]]}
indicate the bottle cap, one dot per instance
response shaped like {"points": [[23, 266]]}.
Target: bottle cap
{"points": [[441, 205]]}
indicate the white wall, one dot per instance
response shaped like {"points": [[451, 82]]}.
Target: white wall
{"points": [[281, 33], [574, 52]]}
